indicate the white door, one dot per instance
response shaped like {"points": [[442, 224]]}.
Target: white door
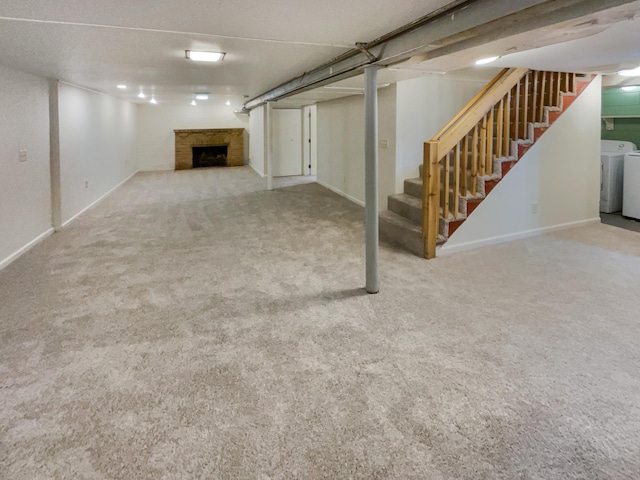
{"points": [[287, 142]]}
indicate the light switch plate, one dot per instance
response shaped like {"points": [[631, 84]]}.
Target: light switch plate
{"points": [[22, 155]]}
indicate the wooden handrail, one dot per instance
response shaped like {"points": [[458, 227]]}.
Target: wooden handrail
{"points": [[473, 115], [480, 133], [470, 105]]}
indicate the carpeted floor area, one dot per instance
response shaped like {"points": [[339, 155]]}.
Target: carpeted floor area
{"points": [[196, 326]]}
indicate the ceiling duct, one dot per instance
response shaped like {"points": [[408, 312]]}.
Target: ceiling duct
{"points": [[458, 26]]}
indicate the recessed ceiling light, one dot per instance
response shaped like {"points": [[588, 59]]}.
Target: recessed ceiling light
{"points": [[153, 100], [484, 61], [193, 102], [204, 56], [202, 96], [630, 73], [629, 88], [141, 95], [228, 103], [122, 87]]}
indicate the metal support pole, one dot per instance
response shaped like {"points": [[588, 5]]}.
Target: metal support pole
{"points": [[371, 175], [269, 144]]}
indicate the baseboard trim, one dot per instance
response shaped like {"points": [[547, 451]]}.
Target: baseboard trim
{"points": [[158, 169], [340, 192], [94, 203], [255, 170], [446, 250], [14, 256]]}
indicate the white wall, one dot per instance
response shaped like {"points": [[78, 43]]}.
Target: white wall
{"points": [[425, 105], [257, 159], [25, 190], [156, 123], [561, 173], [341, 145], [97, 146]]}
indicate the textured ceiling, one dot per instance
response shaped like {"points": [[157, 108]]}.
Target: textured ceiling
{"points": [[141, 43]]}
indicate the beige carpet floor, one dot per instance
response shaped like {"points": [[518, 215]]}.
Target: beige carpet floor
{"points": [[194, 325]]}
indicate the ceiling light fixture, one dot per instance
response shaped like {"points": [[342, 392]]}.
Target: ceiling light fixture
{"points": [[630, 73], [141, 95], [228, 103], [153, 100], [204, 56], [122, 87], [485, 61], [202, 96], [629, 88], [193, 102]]}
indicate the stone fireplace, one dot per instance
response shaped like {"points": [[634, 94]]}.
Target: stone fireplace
{"points": [[209, 147]]}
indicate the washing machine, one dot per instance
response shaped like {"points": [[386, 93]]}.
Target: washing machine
{"points": [[612, 154], [631, 189]]}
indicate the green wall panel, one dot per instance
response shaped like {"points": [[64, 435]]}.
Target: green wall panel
{"points": [[618, 102]]}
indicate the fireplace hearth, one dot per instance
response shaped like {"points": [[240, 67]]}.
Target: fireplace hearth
{"points": [[209, 156]]}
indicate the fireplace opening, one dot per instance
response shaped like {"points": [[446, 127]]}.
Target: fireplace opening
{"points": [[209, 156]]}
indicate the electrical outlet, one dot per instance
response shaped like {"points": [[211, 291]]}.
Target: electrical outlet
{"points": [[384, 143], [86, 184], [534, 207], [22, 155]]}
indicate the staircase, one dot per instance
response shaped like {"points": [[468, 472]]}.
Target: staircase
{"points": [[473, 153]]}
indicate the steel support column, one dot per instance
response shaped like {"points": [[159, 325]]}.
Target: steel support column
{"points": [[371, 176]]}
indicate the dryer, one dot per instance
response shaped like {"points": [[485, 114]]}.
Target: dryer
{"points": [[612, 154], [631, 197]]}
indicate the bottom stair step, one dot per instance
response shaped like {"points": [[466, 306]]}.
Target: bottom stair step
{"points": [[397, 229]]}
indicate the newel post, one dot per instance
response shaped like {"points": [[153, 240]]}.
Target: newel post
{"points": [[430, 198]]}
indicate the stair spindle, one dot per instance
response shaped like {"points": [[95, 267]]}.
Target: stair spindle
{"points": [[456, 181], [464, 168], [489, 165], [500, 129], [483, 146], [506, 136], [474, 161]]}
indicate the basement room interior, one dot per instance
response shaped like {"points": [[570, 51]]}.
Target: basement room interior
{"points": [[312, 240]]}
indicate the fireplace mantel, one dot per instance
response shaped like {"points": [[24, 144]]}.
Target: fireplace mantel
{"points": [[186, 139]]}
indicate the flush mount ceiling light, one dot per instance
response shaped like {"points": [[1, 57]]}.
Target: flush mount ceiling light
{"points": [[153, 100], [485, 61], [204, 56], [122, 87], [629, 88], [202, 96], [630, 73], [141, 95], [228, 103], [193, 102]]}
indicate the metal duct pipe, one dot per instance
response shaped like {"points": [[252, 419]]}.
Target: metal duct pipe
{"points": [[458, 26]]}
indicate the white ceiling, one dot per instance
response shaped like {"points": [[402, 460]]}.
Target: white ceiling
{"points": [[141, 43]]}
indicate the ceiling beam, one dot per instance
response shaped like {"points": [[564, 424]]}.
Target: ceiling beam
{"points": [[458, 26]]}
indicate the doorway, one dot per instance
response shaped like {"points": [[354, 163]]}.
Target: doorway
{"points": [[287, 142]]}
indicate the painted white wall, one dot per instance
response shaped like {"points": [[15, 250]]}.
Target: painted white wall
{"points": [[98, 146], [425, 105], [25, 189], [287, 142], [156, 123], [561, 173], [257, 159], [341, 145]]}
